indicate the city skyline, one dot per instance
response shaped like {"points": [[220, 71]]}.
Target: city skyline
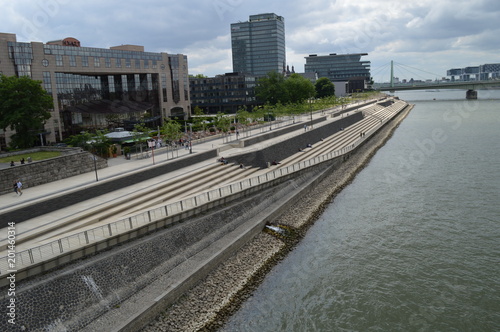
{"points": [[431, 36]]}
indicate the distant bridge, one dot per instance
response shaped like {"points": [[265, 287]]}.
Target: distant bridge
{"points": [[470, 86]]}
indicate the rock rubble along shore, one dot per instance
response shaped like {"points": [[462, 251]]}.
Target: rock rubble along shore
{"points": [[208, 305]]}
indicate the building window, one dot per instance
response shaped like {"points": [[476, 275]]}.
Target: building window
{"points": [[146, 64], [85, 61], [45, 62], [72, 61], [97, 62], [59, 60], [137, 64], [128, 63], [107, 62], [46, 82], [118, 63], [164, 86], [154, 64]]}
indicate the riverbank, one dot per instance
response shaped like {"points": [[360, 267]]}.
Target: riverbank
{"points": [[207, 306]]}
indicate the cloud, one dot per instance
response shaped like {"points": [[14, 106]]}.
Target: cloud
{"points": [[386, 29]]}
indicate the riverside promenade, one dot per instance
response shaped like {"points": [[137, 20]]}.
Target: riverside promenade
{"points": [[47, 203], [107, 278]]}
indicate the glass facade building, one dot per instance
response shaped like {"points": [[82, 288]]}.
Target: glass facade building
{"points": [[223, 93], [339, 67], [489, 71], [90, 86], [258, 45]]}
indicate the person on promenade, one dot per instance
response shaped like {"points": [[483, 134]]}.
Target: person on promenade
{"points": [[12, 163], [19, 187], [22, 161], [15, 188]]}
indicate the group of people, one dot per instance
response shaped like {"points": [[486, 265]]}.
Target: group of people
{"points": [[21, 161], [18, 187]]}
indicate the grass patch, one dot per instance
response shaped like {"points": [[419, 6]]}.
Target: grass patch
{"points": [[34, 156]]}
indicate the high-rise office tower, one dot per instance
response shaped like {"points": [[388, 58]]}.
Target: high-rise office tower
{"points": [[259, 45]]}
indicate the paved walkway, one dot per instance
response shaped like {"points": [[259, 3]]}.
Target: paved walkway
{"points": [[120, 166]]}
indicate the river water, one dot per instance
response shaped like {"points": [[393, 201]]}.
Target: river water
{"points": [[413, 244]]}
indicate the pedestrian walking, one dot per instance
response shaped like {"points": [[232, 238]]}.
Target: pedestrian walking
{"points": [[15, 188], [19, 187]]}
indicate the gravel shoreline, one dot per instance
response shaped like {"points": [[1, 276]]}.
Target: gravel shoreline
{"points": [[207, 306]]}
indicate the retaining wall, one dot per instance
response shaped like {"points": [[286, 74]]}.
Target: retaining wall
{"points": [[290, 146], [73, 162]]}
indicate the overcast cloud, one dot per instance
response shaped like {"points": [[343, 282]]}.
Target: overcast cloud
{"points": [[431, 35]]}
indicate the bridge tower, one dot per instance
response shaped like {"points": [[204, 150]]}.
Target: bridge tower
{"points": [[392, 74]]}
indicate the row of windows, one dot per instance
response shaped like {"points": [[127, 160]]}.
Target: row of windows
{"points": [[222, 100], [97, 62], [99, 52]]}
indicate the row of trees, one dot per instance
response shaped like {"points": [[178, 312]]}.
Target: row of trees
{"points": [[275, 88]]}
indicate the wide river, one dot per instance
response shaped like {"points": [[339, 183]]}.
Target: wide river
{"points": [[413, 244]]}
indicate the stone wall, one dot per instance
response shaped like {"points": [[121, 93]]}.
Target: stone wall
{"points": [[49, 170], [278, 132]]}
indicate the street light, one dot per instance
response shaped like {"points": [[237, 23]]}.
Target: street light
{"points": [[190, 132], [310, 109]]}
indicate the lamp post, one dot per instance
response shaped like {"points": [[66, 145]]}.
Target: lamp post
{"points": [[311, 112], [94, 156], [190, 132], [269, 118]]}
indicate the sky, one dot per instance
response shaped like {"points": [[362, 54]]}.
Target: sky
{"points": [[424, 38]]}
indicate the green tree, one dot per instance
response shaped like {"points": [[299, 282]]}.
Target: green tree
{"points": [[139, 134], [299, 88], [198, 120], [222, 122], [324, 88], [82, 140], [271, 89], [24, 106], [171, 129]]}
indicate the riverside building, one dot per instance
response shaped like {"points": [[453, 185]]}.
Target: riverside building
{"points": [[95, 88], [258, 45], [489, 71], [341, 68], [226, 93]]}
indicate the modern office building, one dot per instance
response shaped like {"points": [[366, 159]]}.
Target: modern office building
{"points": [[482, 72], [258, 45], [95, 87], [341, 68], [223, 93]]}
